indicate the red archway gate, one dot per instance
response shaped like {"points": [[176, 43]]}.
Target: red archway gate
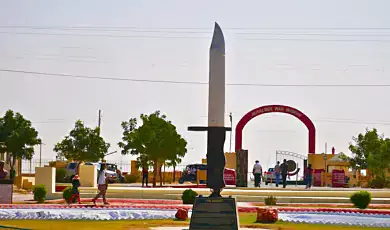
{"points": [[277, 109]]}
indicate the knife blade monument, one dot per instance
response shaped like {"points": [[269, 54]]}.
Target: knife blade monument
{"points": [[215, 211]]}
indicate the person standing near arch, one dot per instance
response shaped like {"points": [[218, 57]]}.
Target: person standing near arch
{"points": [[277, 173], [257, 171], [284, 172]]}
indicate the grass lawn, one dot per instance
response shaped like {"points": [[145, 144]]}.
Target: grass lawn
{"points": [[246, 220]]}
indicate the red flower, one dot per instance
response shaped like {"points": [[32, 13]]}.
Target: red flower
{"points": [[182, 214], [267, 215]]}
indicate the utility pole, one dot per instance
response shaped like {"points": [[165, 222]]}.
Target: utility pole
{"points": [[99, 120], [231, 127], [40, 154], [326, 148]]}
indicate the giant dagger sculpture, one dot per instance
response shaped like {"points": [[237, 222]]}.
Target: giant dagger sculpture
{"points": [[216, 130]]}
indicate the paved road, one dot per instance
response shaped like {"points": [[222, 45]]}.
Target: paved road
{"points": [[17, 198]]}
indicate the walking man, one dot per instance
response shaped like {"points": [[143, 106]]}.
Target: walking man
{"points": [[257, 171], [277, 173], [102, 185], [284, 171]]}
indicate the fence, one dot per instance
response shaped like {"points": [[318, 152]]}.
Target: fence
{"points": [[29, 166]]}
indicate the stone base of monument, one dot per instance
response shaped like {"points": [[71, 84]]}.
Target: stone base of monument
{"points": [[214, 213], [6, 191]]}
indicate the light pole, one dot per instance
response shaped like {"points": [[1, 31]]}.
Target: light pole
{"points": [[231, 127], [40, 154]]}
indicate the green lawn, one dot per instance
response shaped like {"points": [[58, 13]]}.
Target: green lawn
{"points": [[246, 220]]}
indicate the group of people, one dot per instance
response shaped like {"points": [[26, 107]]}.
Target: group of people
{"points": [[281, 170], [102, 186]]}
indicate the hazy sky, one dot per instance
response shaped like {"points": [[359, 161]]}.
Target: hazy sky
{"points": [[267, 42]]}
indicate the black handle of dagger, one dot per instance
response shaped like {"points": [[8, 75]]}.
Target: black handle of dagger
{"points": [[216, 161]]}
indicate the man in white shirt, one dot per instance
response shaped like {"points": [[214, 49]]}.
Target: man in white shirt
{"points": [[257, 171], [102, 184]]}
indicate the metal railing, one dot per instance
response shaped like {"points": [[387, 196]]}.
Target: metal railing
{"points": [[29, 166]]}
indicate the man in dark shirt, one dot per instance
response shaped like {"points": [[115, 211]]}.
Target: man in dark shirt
{"points": [[284, 172], [3, 173], [145, 175]]}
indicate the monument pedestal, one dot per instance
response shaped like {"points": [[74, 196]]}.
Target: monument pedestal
{"points": [[6, 191], [214, 213]]}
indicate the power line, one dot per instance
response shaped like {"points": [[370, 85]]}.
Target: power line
{"points": [[187, 82], [102, 35], [318, 40], [317, 34], [186, 37], [195, 28], [335, 120], [173, 30]]}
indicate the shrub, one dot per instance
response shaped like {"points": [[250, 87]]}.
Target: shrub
{"points": [[271, 200], [189, 196], [40, 192], [380, 182], [67, 193], [60, 175], [361, 199], [132, 178]]}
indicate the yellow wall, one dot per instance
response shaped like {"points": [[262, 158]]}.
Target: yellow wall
{"points": [[133, 169], [317, 160], [230, 160]]}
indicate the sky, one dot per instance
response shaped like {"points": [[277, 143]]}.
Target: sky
{"points": [[267, 42]]}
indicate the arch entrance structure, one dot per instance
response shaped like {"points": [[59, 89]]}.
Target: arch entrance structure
{"points": [[242, 154]]}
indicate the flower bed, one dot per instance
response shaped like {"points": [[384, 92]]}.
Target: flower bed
{"points": [[139, 211]]}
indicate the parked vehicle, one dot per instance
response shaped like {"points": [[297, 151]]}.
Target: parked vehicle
{"points": [[189, 174], [71, 170], [270, 176], [110, 169]]}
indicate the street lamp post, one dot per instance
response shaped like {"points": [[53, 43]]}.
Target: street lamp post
{"points": [[40, 153], [325, 158], [231, 127]]}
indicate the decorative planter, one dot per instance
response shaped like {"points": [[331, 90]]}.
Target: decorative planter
{"points": [[267, 215]]}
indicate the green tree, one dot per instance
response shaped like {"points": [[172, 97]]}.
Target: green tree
{"points": [[156, 138], [18, 137], [142, 161], [82, 144], [371, 151], [175, 161]]}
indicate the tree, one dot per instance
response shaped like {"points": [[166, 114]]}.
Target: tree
{"points": [[18, 137], [156, 138], [143, 162], [173, 163], [371, 151], [82, 144]]}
